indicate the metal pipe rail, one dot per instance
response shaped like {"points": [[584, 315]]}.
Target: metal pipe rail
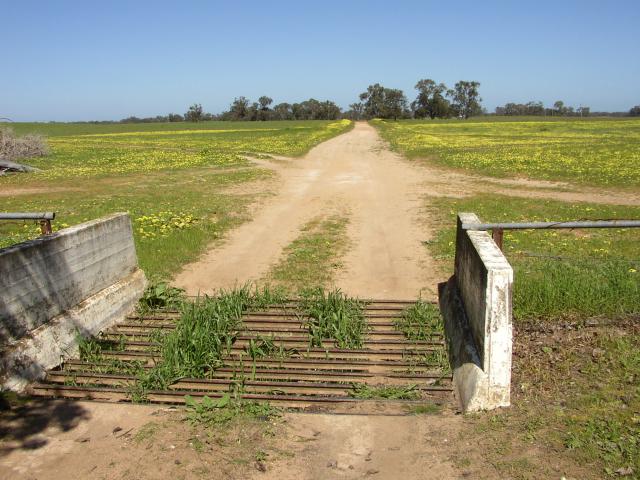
{"points": [[497, 229], [44, 218]]}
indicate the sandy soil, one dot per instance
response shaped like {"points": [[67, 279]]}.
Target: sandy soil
{"points": [[352, 174], [356, 174], [380, 447], [65, 440]]}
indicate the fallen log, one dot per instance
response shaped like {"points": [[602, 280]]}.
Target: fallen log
{"points": [[9, 166]]}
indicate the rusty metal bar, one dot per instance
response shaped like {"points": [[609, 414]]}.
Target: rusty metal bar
{"points": [[45, 227], [497, 235]]}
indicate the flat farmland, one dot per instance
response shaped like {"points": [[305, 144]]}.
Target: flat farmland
{"points": [[604, 152], [181, 182]]}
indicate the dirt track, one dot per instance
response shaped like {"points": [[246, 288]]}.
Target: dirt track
{"points": [[353, 174]]}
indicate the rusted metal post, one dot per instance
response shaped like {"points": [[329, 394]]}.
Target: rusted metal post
{"points": [[497, 234], [45, 227]]}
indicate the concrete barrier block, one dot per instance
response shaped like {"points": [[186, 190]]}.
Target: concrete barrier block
{"points": [[44, 277], [29, 358], [477, 308]]}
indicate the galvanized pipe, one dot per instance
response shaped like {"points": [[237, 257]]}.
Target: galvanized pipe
{"points": [[28, 216], [553, 225]]}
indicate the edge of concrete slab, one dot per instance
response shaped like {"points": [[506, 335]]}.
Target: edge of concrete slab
{"points": [[28, 359]]}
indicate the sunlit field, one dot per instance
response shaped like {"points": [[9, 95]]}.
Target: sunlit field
{"points": [[589, 151], [174, 179], [81, 150]]}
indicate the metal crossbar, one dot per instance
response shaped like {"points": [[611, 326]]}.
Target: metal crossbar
{"points": [[44, 218], [497, 229]]}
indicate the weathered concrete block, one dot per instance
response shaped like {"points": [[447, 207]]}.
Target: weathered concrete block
{"points": [[42, 278], [477, 308], [29, 358], [77, 281]]}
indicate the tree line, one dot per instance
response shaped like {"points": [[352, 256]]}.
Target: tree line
{"points": [[559, 109], [433, 100]]}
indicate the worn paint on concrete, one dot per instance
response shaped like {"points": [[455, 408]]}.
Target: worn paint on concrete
{"points": [[476, 305], [44, 277], [77, 281]]}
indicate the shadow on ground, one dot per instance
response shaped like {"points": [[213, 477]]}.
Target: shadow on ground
{"points": [[22, 426]]}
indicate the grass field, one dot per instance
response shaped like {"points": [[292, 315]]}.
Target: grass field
{"points": [[602, 152], [557, 272], [575, 387], [172, 179]]}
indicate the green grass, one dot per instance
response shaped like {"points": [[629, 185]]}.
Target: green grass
{"points": [[591, 151], [420, 321], [221, 411], [557, 272], [335, 316], [312, 258], [205, 332], [603, 420], [586, 425], [174, 185]]}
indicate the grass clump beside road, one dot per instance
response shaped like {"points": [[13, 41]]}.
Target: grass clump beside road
{"points": [[312, 258], [590, 151], [557, 273], [332, 315], [209, 412]]}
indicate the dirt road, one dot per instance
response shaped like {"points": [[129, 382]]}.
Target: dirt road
{"points": [[353, 174]]}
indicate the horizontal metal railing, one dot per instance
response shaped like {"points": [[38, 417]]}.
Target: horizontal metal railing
{"points": [[497, 229], [44, 218]]}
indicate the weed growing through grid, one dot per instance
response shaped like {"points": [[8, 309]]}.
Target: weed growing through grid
{"points": [[160, 295], [389, 392], [265, 346], [333, 315], [420, 321], [205, 332]]}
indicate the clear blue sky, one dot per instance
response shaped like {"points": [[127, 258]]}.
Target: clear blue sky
{"points": [[80, 60]]}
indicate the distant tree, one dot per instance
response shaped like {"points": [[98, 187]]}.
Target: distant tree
{"points": [[355, 111], [175, 117], [194, 114], [282, 111], [465, 99], [530, 108], [381, 102], [583, 111], [430, 101], [395, 103], [635, 111], [373, 101], [559, 108], [264, 110], [239, 109], [264, 102]]}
